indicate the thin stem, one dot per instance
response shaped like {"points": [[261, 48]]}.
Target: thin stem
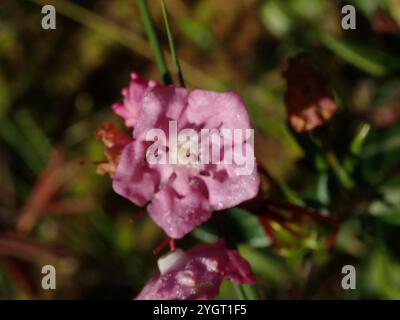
{"points": [[125, 37], [359, 138], [153, 40], [340, 172], [289, 193], [343, 177], [356, 147], [240, 291], [283, 187], [172, 44], [251, 292]]}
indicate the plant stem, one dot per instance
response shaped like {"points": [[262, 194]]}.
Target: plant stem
{"points": [[251, 292], [343, 177], [330, 157], [359, 138], [125, 37], [290, 195], [153, 40], [240, 291], [172, 44]]}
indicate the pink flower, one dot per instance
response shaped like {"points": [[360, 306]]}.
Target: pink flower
{"points": [[196, 274], [182, 196], [129, 109]]}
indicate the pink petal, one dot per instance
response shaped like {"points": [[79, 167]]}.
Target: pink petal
{"points": [[238, 269], [232, 190], [231, 265], [194, 282], [130, 108], [197, 274], [160, 105], [217, 109], [133, 178], [176, 214]]}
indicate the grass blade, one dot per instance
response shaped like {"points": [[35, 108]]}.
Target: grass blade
{"points": [[153, 40], [172, 44]]}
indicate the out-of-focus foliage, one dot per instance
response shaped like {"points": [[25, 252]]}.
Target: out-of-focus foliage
{"points": [[57, 86]]}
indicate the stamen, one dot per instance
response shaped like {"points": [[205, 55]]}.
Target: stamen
{"points": [[161, 246], [172, 247]]}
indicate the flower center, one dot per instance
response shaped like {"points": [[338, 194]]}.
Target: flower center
{"points": [[187, 154]]}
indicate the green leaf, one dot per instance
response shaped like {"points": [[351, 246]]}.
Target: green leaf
{"points": [[172, 44], [275, 18], [154, 42], [239, 225], [371, 60], [14, 137], [384, 275], [381, 152], [387, 92], [196, 32], [388, 208]]}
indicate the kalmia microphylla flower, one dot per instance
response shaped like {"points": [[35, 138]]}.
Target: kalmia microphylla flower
{"points": [[308, 97], [197, 273], [182, 196], [129, 108], [114, 142]]}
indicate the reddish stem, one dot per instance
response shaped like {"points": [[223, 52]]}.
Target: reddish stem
{"points": [[167, 241], [137, 215], [172, 247], [161, 246]]}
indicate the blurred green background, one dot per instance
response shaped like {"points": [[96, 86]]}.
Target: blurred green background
{"points": [[57, 86]]}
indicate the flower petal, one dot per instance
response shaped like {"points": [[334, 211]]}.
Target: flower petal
{"points": [[177, 214], [238, 269], [217, 110], [197, 273], [133, 178], [130, 108], [160, 105], [231, 191]]}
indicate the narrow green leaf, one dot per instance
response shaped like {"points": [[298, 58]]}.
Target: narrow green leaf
{"points": [[241, 227], [359, 138], [250, 291], [196, 32], [240, 291], [172, 44], [371, 60], [153, 40], [34, 134], [344, 178], [13, 136]]}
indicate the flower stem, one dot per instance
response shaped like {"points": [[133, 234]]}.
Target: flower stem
{"points": [[153, 40], [172, 44], [331, 159], [359, 139], [290, 195], [240, 291], [251, 292], [344, 178]]}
